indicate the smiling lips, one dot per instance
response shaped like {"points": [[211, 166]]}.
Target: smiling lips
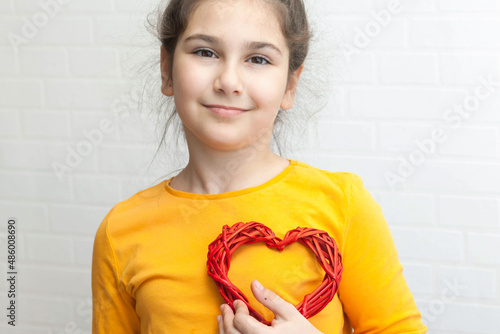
{"points": [[225, 111]]}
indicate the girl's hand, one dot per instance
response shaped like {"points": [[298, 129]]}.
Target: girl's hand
{"points": [[287, 319]]}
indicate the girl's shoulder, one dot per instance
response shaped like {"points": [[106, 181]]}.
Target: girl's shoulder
{"points": [[345, 187], [317, 176], [141, 204]]}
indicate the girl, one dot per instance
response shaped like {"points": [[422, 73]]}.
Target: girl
{"points": [[231, 66]]}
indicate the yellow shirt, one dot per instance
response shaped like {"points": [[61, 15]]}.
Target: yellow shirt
{"points": [[149, 272]]}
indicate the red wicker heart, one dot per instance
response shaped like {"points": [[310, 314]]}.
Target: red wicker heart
{"points": [[324, 247]]}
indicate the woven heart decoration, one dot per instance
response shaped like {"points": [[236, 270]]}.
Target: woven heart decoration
{"points": [[323, 246]]}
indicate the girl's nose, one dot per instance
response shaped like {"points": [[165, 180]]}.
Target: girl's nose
{"points": [[228, 80]]}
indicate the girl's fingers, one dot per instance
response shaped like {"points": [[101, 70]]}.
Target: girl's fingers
{"points": [[289, 320], [220, 329], [227, 317], [243, 321], [282, 309], [227, 321], [240, 307]]}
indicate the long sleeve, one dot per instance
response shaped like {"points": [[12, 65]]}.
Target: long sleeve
{"points": [[373, 291], [113, 308]]}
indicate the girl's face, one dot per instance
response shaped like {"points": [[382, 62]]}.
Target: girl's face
{"points": [[229, 74]]}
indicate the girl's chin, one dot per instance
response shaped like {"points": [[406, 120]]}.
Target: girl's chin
{"points": [[227, 143], [230, 136]]}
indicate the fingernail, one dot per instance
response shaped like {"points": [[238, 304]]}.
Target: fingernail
{"points": [[234, 303], [258, 285], [219, 318], [222, 307]]}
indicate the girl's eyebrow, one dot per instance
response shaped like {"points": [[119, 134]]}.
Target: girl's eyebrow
{"points": [[217, 41], [263, 45], [207, 38]]}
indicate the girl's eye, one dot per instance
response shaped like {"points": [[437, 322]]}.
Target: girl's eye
{"points": [[205, 53], [259, 60]]}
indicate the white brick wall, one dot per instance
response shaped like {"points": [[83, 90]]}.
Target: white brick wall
{"points": [[480, 142], [35, 123], [460, 33], [397, 205], [21, 92], [9, 123], [465, 68], [399, 68], [429, 244], [484, 248], [43, 62], [419, 278], [467, 6], [402, 102], [477, 283], [394, 84], [34, 215], [82, 220], [347, 136], [9, 62], [362, 69], [469, 211]]}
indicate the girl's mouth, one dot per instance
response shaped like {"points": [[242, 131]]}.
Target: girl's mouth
{"points": [[225, 111]]}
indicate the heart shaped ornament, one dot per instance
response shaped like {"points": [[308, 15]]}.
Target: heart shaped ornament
{"points": [[319, 242]]}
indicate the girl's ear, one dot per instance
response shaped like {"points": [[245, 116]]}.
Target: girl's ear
{"points": [[166, 81], [289, 96]]}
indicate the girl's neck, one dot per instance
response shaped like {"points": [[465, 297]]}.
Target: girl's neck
{"points": [[219, 172]]}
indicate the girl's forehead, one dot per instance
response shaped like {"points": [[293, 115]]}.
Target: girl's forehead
{"points": [[255, 9], [250, 18]]}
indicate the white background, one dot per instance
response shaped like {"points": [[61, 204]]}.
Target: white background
{"points": [[394, 82]]}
